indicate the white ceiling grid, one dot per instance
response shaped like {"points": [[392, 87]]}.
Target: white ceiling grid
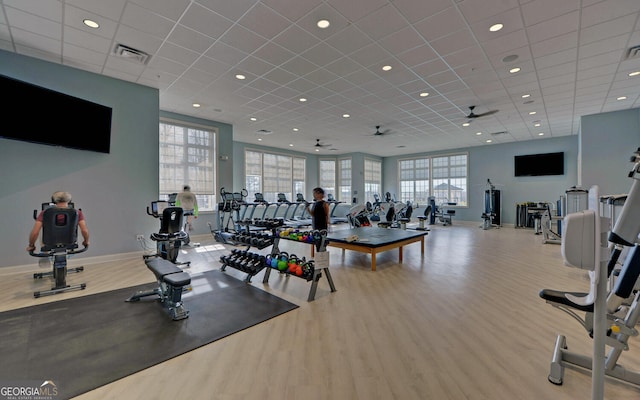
{"points": [[571, 55]]}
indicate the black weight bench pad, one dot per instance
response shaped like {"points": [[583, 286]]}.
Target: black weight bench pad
{"points": [[557, 296], [179, 279], [163, 268]]}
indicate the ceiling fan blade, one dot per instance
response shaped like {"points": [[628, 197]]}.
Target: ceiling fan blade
{"points": [[484, 114]]}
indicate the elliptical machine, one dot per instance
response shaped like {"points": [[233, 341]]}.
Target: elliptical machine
{"points": [[228, 208]]}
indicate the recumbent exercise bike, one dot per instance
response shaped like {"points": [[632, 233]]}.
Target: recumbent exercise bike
{"points": [[59, 241]]}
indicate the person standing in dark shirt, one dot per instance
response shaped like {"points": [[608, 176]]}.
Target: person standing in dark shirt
{"points": [[320, 210]]}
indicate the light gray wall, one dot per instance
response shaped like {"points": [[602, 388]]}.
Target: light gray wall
{"points": [[110, 188], [495, 162], [607, 142]]}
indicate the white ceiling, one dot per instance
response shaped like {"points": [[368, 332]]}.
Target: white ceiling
{"points": [[572, 55]]}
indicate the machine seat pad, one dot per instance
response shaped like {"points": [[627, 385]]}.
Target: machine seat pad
{"points": [[557, 296], [179, 279], [161, 267]]}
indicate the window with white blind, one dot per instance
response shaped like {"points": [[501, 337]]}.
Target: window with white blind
{"points": [[372, 179], [187, 157], [443, 177], [344, 180], [327, 177], [270, 174]]}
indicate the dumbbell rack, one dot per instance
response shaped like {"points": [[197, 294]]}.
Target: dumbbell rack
{"points": [[321, 265], [244, 260]]}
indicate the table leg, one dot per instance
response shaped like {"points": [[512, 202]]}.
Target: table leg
{"points": [[373, 260], [422, 244], [400, 254]]}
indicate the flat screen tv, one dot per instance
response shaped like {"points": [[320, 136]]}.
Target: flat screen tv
{"points": [[35, 114], [539, 164]]}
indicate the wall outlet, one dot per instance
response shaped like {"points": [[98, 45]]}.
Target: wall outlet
{"points": [[139, 237]]}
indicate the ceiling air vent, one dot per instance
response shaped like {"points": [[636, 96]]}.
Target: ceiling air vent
{"points": [[633, 52], [263, 132], [132, 54]]}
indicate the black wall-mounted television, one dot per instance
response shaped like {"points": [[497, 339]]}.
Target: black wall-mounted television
{"points": [[539, 164], [35, 114]]}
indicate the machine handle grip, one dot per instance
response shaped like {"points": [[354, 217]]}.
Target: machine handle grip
{"points": [[50, 253]]}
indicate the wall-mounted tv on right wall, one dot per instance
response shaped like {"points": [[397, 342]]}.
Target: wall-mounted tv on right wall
{"points": [[539, 164]]}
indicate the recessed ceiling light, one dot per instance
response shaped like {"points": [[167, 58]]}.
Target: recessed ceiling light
{"points": [[317, 149], [478, 133], [488, 140], [323, 23], [514, 70], [536, 125], [622, 98], [532, 113], [91, 23], [290, 144], [296, 129], [635, 73], [259, 139], [302, 99], [345, 115], [495, 27], [524, 96], [240, 77], [466, 124], [424, 94], [540, 133], [253, 119], [387, 68], [196, 105]]}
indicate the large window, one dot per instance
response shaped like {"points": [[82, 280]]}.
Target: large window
{"points": [[327, 179], [270, 174], [187, 157], [443, 177], [344, 180], [335, 178], [372, 179], [414, 180]]}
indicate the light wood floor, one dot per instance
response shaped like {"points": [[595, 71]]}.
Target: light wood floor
{"points": [[463, 322]]}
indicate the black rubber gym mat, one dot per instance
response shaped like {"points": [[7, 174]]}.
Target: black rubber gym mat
{"points": [[82, 343]]}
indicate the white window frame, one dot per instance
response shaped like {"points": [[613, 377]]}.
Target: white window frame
{"points": [[289, 180], [193, 164], [372, 179], [448, 176]]}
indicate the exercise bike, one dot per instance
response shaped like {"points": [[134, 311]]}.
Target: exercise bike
{"points": [[171, 235], [59, 241]]}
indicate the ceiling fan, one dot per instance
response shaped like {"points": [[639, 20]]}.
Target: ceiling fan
{"points": [[472, 115], [378, 132], [320, 145]]}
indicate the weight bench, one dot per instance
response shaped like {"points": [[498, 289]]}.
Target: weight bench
{"points": [[171, 282]]}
